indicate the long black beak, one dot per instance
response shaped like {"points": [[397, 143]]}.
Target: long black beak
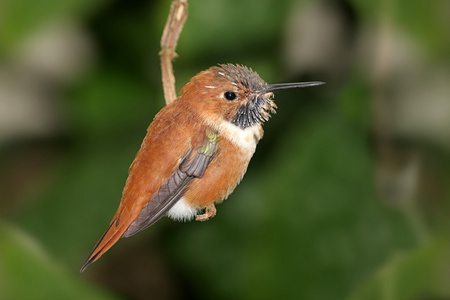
{"points": [[285, 86]]}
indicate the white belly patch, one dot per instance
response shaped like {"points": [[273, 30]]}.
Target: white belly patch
{"points": [[182, 211]]}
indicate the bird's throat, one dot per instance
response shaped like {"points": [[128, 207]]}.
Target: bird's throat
{"points": [[256, 111]]}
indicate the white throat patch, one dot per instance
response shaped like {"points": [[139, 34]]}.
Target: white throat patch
{"points": [[246, 139]]}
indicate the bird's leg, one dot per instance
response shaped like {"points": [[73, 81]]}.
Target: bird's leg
{"points": [[210, 212]]}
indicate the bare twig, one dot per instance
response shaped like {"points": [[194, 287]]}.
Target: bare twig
{"points": [[174, 25]]}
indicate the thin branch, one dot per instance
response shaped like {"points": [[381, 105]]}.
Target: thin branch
{"points": [[174, 25]]}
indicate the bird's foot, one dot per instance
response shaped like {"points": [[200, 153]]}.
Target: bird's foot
{"points": [[210, 212]]}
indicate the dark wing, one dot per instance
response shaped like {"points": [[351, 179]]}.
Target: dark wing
{"points": [[193, 165]]}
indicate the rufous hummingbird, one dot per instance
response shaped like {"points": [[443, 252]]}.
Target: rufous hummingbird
{"points": [[196, 151]]}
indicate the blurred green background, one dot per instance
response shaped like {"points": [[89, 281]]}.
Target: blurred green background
{"points": [[347, 196]]}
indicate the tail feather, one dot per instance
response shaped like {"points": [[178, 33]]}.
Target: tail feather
{"points": [[109, 238]]}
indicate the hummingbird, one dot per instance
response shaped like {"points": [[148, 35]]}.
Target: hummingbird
{"points": [[195, 152]]}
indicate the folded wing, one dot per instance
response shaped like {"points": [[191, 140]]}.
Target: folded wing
{"points": [[192, 166]]}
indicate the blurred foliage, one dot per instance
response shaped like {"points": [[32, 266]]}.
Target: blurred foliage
{"points": [[421, 272], [432, 36], [28, 273], [20, 18], [342, 200]]}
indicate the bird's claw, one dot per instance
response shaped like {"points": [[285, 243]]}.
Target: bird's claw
{"points": [[209, 213]]}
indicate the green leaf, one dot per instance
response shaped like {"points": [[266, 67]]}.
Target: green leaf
{"points": [[26, 272]]}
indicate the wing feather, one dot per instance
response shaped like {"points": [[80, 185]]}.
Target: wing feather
{"points": [[193, 165], [134, 216]]}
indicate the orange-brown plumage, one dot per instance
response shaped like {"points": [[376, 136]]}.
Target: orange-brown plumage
{"points": [[196, 151], [167, 137]]}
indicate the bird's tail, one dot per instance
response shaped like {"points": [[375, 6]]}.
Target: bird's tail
{"points": [[109, 238]]}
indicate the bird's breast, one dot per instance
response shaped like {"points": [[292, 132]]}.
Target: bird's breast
{"points": [[236, 148], [244, 139]]}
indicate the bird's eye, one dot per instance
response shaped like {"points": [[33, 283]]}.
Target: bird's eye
{"points": [[229, 95]]}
